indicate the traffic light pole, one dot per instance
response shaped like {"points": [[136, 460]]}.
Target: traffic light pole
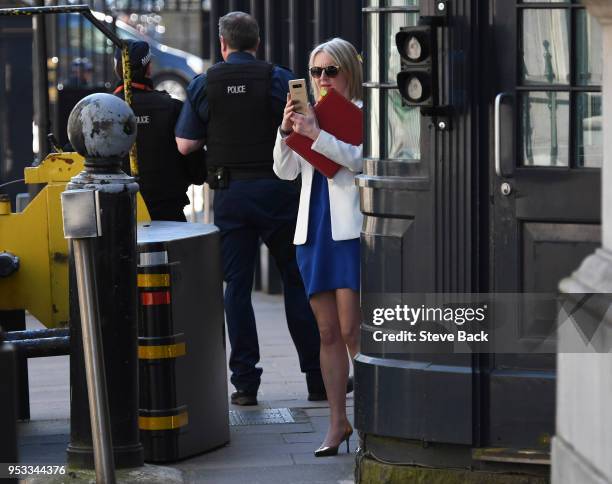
{"points": [[418, 79]]}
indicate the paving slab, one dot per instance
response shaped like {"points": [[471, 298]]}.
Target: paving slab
{"points": [[295, 474], [303, 438], [309, 458]]}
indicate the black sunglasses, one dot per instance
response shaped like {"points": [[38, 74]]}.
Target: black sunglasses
{"points": [[330, 71]]}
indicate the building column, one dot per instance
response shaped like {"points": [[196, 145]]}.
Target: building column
{"points": [[583, 442]]}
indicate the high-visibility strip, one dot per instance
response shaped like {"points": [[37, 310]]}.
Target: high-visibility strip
{"points": [[137, 85], [153, 280], [163, 423], [154, 298], [153, 258], [160, 352]]}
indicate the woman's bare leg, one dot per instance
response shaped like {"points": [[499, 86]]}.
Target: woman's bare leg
{"points": [[334, 363], [349, 315]]}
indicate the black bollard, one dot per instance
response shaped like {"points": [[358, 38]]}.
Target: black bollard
{"points": [[8, 403], [102, 128], [162, 419], [14, 320]]}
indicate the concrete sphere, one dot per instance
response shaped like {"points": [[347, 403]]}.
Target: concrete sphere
{"points": [[102, 126]]}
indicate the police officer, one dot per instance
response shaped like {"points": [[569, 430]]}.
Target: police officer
{"points": [[236, 109], [81, 73], [164, 174]]}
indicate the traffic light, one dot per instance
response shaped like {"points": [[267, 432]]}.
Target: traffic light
{"points": [[418, 80]]}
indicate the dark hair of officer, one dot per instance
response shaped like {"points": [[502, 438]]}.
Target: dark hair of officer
{"points": [[240, 31]]}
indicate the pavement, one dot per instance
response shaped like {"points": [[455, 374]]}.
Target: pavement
{"points": [[269, 453]]}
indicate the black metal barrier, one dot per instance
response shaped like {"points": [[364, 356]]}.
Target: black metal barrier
{"points": [[8, 403], [40, 343], [31, 344], [14, 321]]}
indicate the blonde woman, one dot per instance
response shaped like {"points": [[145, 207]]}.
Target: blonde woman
{"points": [[328, 228]]}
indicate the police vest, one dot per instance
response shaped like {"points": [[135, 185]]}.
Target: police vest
{"points": [[242, 126], [162, 171]]}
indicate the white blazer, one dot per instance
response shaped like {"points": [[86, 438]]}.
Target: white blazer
{"points": [[346, 218]]}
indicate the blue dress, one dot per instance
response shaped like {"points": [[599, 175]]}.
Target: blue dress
{"points": [[326, 264]]}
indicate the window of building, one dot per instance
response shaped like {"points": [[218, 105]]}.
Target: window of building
{"points": [[559, 85], [398, 136]]}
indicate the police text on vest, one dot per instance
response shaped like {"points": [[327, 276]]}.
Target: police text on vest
{"points": [[236, 89]]}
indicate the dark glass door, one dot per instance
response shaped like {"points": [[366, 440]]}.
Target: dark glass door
{"points": [[545, 161]]}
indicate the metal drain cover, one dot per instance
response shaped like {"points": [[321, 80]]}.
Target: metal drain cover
{"points": [[266, 416]]}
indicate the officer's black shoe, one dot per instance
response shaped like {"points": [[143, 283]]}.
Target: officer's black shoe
{"points": [[243, 398], [320, 396]]}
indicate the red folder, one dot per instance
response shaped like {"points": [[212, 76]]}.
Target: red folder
{"points": [[339, 117]]}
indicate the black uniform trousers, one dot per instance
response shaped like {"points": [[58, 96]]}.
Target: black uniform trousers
{"points": [[247, 211]]}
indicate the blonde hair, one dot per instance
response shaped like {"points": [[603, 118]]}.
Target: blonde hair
{"points": [[344, 55]]}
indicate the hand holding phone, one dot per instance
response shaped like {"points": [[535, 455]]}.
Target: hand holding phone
{"points": [[299, 96]]}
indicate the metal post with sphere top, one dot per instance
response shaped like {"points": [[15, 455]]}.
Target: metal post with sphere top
{"points": [[102, 128]]}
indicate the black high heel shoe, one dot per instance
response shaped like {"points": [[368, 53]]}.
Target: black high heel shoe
{"points": [[330, 450]]}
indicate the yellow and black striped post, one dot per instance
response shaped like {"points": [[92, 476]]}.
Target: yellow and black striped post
{"points": [[161, 417]]}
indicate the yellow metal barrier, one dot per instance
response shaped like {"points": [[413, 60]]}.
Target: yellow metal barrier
{"points": [[36, 236]]}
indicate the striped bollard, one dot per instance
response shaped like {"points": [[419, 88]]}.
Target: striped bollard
{"points": [[161, 418]]}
